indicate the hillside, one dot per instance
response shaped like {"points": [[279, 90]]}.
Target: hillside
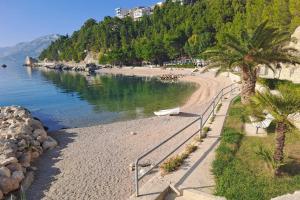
{"points": [[172, 31], [32, 48]]}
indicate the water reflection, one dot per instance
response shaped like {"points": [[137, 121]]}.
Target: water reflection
{"points": [[69, 99], [137, 96]]}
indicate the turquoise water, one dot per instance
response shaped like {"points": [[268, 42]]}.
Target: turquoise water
{"points": [[68, 99]]}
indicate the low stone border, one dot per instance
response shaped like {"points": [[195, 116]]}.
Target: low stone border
{"points": [[22, 140]]}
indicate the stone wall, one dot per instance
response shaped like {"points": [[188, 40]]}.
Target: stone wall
{"points": [[22, 140]]}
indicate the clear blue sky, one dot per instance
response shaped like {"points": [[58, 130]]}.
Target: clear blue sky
{"points": [[24, 20]]}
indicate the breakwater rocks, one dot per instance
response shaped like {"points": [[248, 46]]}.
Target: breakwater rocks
{"points": [[170, 76], [22, 140], [70, 67]]}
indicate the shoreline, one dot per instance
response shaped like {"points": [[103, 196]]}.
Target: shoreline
{"points": [[94, 161]]}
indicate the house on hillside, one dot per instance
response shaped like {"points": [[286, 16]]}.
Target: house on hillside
{"points": [[135, 13]]}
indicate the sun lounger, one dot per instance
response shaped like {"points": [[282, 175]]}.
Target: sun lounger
{"points": [[262, 124]]}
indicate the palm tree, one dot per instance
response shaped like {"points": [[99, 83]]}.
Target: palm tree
{"points": [[265, 46], [280, 107]]}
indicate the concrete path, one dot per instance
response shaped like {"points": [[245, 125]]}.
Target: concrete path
{"points": [[196, 171]]}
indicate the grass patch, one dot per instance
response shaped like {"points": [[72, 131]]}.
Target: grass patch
{"points": [[239, 170]]}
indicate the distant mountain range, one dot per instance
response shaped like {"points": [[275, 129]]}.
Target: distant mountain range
{"points": [[33, 48]]}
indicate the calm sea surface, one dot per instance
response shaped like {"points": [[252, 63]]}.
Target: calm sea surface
{"points": [[68, 99]]}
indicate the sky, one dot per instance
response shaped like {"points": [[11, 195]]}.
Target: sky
{"points": [[25, 20]]}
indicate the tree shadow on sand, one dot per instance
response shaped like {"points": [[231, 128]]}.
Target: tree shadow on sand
{"points": [[46, 170]]}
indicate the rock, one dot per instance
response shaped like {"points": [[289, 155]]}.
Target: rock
{"points": [[131, 167], [14, 167], [133, 133], [32, 168], [35, 143], [18, 175], [4, 171], [35, 124], [50, 143], [25, 159], [27, 181], [35, 155], [29, 61], [9, 161], [22, 139], [22, 143], [40, 132], [9, 152], [8, 184], [41, 139]]}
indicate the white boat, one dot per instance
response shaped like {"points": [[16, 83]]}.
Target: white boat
{"points": [[174, 111]]}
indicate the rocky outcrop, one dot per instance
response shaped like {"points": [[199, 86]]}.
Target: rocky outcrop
{"points": [[22, 140], [91, 67], [29, 61], [91, 58]]}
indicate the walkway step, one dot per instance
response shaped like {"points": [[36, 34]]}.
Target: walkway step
{"points": [[192, 194]]}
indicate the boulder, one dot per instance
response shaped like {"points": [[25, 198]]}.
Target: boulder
{"points": [[34, 155], [50, 143], [8, 184], [40, 132], [14, 167], [22, 139], [27, 181], [4, 171], [29, 61], [35, 124], [18, 175], [8, 161], [25, 159]]}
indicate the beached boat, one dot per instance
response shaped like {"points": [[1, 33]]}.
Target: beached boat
{"points": [[174, 111]]}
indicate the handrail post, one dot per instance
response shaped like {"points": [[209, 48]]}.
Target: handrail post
{"points": [[137, 178], [201, 127], [214, 105], [222, 94]]}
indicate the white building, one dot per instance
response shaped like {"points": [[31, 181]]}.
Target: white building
{"points": [[135, 13], [139, 12], [121, 13]]}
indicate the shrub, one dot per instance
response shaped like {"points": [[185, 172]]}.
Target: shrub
{"points": [[218, 107], [206, 129], [190, 149], [212, 119], [173, 163]]}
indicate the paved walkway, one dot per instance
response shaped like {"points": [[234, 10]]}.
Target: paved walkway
{"points": [[196, 172]]}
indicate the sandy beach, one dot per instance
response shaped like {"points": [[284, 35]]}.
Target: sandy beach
{"points": [[93, 162]]}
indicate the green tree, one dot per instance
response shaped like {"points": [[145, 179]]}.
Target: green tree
{"points": [[280, 107], [265, 46], [294, 6]]}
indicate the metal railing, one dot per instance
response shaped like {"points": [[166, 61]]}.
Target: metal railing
{"points": [[210, 110]]}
